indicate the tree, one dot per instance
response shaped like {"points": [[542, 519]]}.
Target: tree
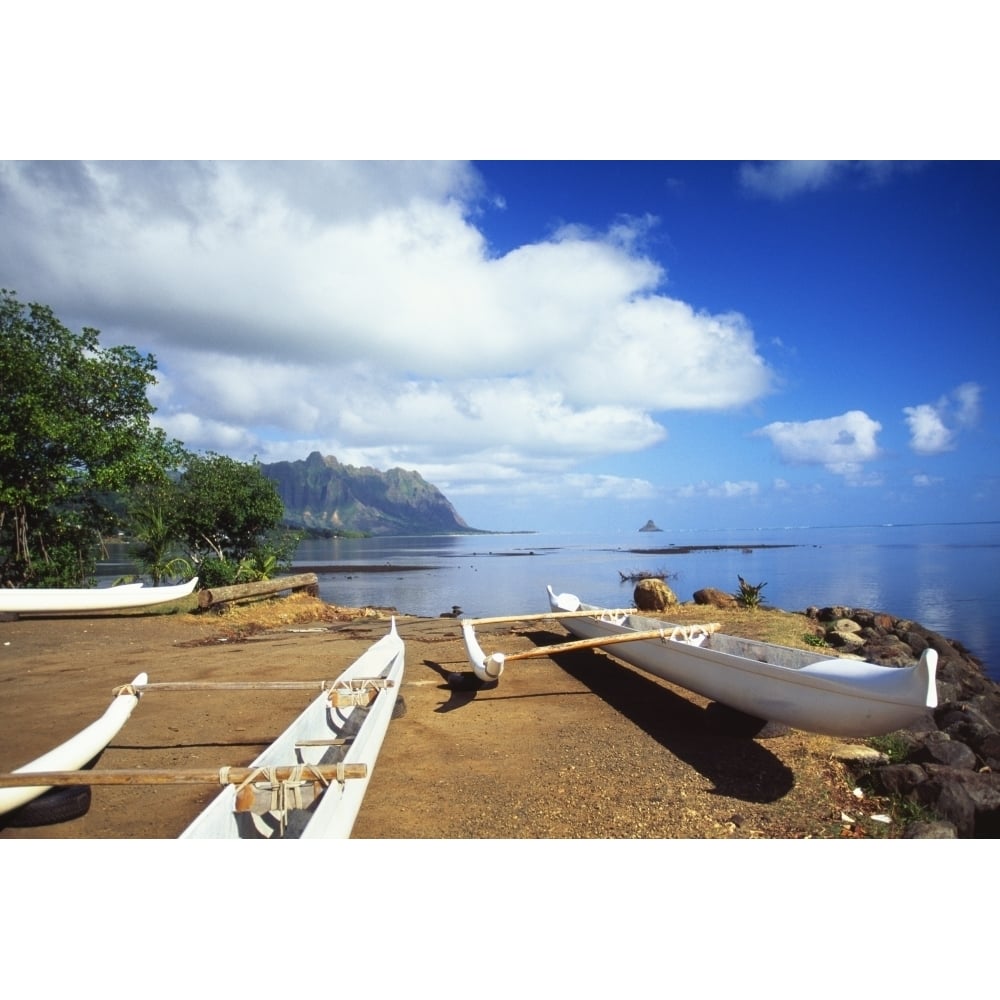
{"points": [[229, 513], [154, 524], [74, 428]]}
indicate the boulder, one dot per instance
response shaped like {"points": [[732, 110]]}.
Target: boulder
{"points": [[714, 598], [940, 748], [949, 801], [842, 639], [845, 625], [947, 761], [898, 779], [933, 830], [653, 595]]}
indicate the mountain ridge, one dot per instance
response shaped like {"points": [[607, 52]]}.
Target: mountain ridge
{"points": [[321, 494]]}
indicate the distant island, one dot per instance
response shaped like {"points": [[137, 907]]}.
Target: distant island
{"points": [[650, 526], [324, 496]]}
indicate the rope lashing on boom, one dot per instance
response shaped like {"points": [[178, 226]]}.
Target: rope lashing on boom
{"points": [[286, 793]]}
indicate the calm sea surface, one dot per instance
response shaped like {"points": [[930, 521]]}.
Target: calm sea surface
{"points": [[944, 576]]}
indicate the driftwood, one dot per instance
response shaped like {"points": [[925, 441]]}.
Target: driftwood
{"points": [[644, 574], [308, 582]]}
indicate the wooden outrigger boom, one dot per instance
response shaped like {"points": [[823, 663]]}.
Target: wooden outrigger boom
{"points": [[489, 668], [658, 633], [539, 616], [184, 776], [195, 686]]}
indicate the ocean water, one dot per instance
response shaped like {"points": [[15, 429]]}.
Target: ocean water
{"points": [[944, 576]]}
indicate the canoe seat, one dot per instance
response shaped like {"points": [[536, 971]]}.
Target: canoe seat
{"points": [[359, 691]]}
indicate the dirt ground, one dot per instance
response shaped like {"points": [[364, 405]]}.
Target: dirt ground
{"points": [[577, 745]]}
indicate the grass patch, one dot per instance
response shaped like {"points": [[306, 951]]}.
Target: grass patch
{"points": [[894, 745], [263, 615]]}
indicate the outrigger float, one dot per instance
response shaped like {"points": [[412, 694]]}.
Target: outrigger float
{"points": [[309, 783]]}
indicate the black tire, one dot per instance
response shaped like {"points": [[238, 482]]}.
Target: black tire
{"points": [[57, 805]]}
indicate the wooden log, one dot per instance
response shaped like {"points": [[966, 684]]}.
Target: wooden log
{"points": [[609, 640], [548, 614], [172, 776], [262, 588]]}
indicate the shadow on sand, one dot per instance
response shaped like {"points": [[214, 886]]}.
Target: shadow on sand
{"points": [[716, 741]]}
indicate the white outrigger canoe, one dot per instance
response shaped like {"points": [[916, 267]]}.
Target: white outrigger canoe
{"points": [[796, 687], [28, 600], [78, 751], [310, 782]]}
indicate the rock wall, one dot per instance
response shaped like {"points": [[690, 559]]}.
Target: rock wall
{"points": [[949, 762]]}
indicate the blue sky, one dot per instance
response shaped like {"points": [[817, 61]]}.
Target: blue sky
{"points": [[564, 344]]}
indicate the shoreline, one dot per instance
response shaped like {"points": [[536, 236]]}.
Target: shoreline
{"points": [[326, 569], [681, 550], [528, 759], [551, 752]]}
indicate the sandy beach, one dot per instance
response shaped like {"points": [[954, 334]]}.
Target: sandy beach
{"points": [[573, 746]]}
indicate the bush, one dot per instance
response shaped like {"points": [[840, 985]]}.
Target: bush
{"points": [[215, 572], [748, 595]]}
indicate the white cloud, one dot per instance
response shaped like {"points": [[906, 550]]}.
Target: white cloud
{"points": [[928, 434], [614, 487], [787, 178], [357, 307], [743, 488], [664, 355], [841, 444], [967, 397], [199, 434], [934, 426], [726, 490], [782, 179]]}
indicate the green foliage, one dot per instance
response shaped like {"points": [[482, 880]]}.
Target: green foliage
{"points": [[894, 745], [74, 427], [78, 458], [261, 564], [273, 555], [905, 810], [154, 524], [749, 594], [216, 572], [222, 514], [225, 507], [813, 640]]}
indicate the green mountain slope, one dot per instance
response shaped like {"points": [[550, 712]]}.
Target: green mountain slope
{"points": [[321, 494]]}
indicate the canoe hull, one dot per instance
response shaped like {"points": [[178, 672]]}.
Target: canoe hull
{"points": [[804, 690], [25, 600], [333, 814], [78, 751]]}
